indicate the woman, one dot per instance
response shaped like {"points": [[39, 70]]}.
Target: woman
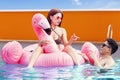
{"points": [[59, 34]]}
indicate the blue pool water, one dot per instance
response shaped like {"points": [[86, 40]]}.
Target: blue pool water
{"points": [[82, 72]]}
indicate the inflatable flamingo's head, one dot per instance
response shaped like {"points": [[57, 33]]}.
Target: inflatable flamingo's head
{"points": [[40, 21]]}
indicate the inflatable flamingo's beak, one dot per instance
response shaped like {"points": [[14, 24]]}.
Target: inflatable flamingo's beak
{"points": [[48, 31]]}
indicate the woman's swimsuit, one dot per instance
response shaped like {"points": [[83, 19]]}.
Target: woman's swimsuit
{"points": [[57, 41]]}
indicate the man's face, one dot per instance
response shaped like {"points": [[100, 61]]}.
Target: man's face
{"points": [[105, 48]]}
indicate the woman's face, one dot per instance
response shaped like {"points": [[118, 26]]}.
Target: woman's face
{"points": [[56, 19]]}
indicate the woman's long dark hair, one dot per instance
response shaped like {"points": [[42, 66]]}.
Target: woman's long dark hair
{"points": [[52, 12]]}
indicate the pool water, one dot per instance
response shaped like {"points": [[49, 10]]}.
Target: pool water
{"points": [[82, 72]]}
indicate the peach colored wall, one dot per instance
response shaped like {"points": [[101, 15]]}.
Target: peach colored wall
{"points": [[88, 25]]}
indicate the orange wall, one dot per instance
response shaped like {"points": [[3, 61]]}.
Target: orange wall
{"points": [[88, 25]]}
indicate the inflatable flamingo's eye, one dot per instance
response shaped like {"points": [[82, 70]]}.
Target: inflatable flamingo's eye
{"points": [[43, 23], [31, 50], [34, 22]]}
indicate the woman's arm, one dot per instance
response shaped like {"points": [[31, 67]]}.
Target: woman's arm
{"points": [[71, 40], [74, 56], [68, 47]]}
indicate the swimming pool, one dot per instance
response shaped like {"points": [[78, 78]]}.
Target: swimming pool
{"points": [[82, 72]]}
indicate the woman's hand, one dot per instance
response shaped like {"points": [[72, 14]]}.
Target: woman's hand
{"points": [[44, 42], [74, 37]]}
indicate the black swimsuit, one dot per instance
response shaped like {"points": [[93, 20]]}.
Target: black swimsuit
{"points": [[57, 41]]}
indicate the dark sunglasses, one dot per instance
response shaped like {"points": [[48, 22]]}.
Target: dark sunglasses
{"points": [[106, 45], [58, 17]]}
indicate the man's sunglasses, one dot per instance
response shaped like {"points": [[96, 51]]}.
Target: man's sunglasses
{"points": [[106, 45]]}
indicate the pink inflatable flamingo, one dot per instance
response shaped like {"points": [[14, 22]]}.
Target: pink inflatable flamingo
{"points": [[13, 53]]}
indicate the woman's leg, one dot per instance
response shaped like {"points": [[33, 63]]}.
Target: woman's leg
{"points": [[85, 57], [71, 52], [34, 56]]}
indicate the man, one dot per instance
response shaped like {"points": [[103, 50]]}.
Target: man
{"points": [[105, 61]]}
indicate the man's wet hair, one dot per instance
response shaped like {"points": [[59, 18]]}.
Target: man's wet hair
{"points": [[113, 45]]}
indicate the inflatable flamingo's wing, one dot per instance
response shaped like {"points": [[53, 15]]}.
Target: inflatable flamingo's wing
{"points": [[12, 52], [89, 48]]}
